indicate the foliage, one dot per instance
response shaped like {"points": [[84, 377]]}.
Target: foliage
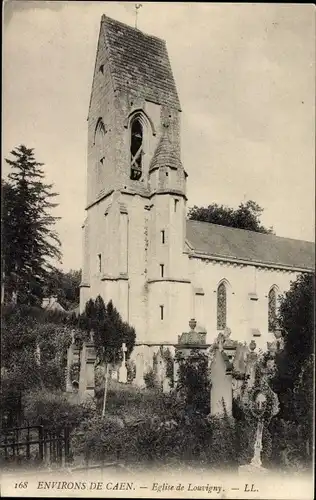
{"points": [[193, 381], [288, 446], [168, 358], [303, 401], [33, 356], [246, 216], [31, 243], [109, 330], [150, 379], [131, 370], [296, 317], [55, 410], [109, 333], [64, 286], [74, 371], [158, 440]]}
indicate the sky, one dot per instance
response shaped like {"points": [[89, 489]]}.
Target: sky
{"points": [[245, 75]]}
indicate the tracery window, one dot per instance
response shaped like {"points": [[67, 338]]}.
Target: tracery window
{"points": [[272, 309], [221, 306], [136, 140]]}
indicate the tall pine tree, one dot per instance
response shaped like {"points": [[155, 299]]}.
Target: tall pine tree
{"points": [[31, 243]]}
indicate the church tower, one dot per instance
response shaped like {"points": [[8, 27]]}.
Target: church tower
{"points": [[134, 231]]}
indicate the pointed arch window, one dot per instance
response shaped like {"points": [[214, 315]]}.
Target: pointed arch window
{"points": [[221, 306], [99, 149], [272, 309], [136, 140]]}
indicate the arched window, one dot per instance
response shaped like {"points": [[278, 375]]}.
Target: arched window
{"points": [[272, 309], [99, 149], [221, 306], [136, 139]]}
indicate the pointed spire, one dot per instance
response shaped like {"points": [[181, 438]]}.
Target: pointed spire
{"points": [[166, 154]]}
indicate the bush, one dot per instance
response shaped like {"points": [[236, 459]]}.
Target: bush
{"points": [[288, 445], [55, 410], [150, 379], [159, 440], [193, 382], [74, 372]]}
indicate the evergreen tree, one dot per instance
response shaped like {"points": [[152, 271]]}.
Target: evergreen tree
{"points": [[109, 333], [31, 243]]}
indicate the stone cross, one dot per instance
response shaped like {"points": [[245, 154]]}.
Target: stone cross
{"points": [[123, 370], [137, 7]]}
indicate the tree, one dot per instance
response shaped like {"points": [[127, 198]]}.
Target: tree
{"points": [[64, 286], [296, 318], [31, 243], [193, 381], [109, 333], [295, 364], [33, 355], [246, 216]]}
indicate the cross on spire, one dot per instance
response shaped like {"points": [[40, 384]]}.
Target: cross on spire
{"points": [[137, 7]]}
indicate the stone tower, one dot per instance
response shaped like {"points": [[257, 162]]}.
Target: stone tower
{"points": [[134, 231]]}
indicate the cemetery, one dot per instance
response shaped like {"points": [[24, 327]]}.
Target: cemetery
{"points": [[155, 378], [223, 376]]}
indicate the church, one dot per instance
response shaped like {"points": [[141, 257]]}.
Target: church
{"points": [[139, 250]]}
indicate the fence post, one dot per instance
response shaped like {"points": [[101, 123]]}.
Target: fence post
{"points": [[28, 443], [41, 442], [67, 444]]}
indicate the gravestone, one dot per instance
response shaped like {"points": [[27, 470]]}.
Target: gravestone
{"points": [[221, 384], [260, 404], [87, 368], [139, 378], [188, 341], [123, 369]]}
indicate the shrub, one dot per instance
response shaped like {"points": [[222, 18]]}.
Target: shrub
{"points": [[150, 379], [54, 409], [99, 438], [288, 442], [74, 371], [193, 382], [158, 440]]}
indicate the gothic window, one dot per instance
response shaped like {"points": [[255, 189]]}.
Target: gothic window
{"points": [[221, 306], [136, 139], [99, 149], [272, 309]]}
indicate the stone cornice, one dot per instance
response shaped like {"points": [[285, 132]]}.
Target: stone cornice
{"points": [[150, 343], [230, 261], [84, 284], [120, 277], [131, 192], [174, 192], [168, 280]]}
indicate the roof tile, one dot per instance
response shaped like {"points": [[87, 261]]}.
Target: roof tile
{"points": [[240, 244], [140, 63]]}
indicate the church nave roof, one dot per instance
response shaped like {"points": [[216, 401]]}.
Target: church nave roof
{"points": [[240, 244]]}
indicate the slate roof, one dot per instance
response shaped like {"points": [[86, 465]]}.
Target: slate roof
{"points": [[239, 244], [139, 62], [165, 154]]}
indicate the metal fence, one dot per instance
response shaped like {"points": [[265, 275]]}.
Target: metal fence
{"points": [[34, 445]]}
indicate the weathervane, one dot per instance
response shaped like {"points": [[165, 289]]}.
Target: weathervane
{"points": [[137, 7]]}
